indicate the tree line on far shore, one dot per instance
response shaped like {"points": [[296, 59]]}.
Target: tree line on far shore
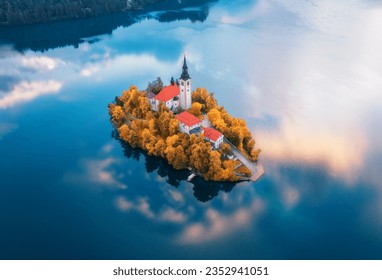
{"points": [[18, 12]]}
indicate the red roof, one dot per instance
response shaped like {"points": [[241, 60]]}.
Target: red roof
{"points": [[188, 119], [168, 93], [212, 134]]}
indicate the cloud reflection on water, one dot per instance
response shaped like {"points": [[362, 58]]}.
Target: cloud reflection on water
{"points": [[118, 66], [321, 97], [32, 75], [97, 172], [214, 224], [40, 63], [27, 91]]}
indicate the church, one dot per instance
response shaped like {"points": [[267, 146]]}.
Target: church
{"points": [[175, 95]]}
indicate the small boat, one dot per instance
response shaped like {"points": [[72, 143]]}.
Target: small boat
{"points": [[191, 177]]}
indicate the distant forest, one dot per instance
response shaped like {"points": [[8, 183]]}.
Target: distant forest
{"points": [[59, 32], [19, 12]]}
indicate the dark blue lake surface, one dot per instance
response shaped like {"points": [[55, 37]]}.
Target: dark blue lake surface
{"points": [[307, 79]]}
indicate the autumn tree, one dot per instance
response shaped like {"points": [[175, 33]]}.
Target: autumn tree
{"points": [[214, 116], [164, 123], [135, 102], [117, 114], [132, 135], [148, 141], [181, 160], [225, 148], [215, 170], [201, 96], [143, 107], [124, 132], [255, 154], [160, 147], [173, 126], [199, 157], [229, 171], [126, 95], [170, 154], [195, 109]]}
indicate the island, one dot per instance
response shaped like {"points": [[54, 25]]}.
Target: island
{"points": [[187, 128]]}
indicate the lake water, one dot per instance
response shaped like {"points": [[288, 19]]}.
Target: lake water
{"points": [[305, 75]]}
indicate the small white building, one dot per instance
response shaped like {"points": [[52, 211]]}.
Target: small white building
{"points": [[188, 122], [151, 98], [213, 136]]}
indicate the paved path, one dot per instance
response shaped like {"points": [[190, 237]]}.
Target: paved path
{"points": [[257, 170], [130, 116], [206, 122]]}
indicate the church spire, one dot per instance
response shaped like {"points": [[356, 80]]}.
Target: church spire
{"points": [[185, 76]]}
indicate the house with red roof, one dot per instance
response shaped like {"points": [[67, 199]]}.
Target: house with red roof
{"points": [[169, 95], [213, 136], [188, 122]]}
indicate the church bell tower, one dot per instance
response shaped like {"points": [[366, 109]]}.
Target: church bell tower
{"points": [[185, 87]]}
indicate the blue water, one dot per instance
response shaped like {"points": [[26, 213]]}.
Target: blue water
{"points": [[305, 77]]}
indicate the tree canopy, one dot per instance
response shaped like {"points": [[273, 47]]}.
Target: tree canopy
{"points": [[31, 11], [158, 134]]}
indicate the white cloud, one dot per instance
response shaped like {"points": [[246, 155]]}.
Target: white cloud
{"points": [[176, 196], [40, 63], [217, 224], [171, 215], [301, 141], [123, 204], [319, 88], [325, 15], [107, 148], [89, 71], [144, 208], [111, 68], [27, 91], [97, 171], [248, 15]]}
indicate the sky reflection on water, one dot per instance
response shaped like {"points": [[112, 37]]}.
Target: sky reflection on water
{"points": [[305, 76]]}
